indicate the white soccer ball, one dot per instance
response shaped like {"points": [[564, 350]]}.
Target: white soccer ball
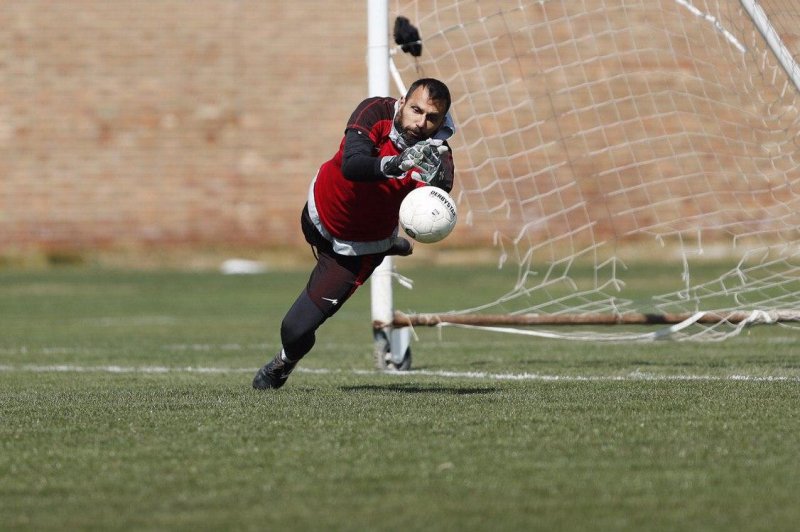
{"points": [[428, 214]]}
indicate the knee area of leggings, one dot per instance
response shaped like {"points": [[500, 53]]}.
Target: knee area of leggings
{"points": [[292, 332]]}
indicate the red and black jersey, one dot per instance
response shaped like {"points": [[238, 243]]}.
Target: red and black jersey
{"points": [[363, 210]]}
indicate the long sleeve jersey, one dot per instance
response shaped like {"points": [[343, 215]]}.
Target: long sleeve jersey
{"points": [[350, 201]]}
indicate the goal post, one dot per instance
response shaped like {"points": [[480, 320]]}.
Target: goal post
{"points": [[391, 344], [599, 139], [773, 40]]}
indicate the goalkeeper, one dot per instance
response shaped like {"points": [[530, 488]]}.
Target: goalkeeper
{"points": [[350, 219]]}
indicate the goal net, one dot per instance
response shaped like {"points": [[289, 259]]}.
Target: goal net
{"points": [[601, 143]]}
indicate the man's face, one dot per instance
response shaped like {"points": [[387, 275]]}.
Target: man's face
{"points": [[419, 117]]}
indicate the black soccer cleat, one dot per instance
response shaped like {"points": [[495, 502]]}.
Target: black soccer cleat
{"points": [[274, 374]]}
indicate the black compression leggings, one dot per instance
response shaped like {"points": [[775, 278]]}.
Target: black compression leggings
{"points": [[332, 281]]}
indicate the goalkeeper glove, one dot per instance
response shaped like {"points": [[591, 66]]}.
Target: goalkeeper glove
{"points": [[398, 165], [444, 177], [424, 155], [431, 163]]}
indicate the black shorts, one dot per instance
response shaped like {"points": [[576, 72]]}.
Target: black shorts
{"points": [[335, 277]]}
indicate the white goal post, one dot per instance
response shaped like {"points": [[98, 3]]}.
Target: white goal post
{"points": [[601, 138]]}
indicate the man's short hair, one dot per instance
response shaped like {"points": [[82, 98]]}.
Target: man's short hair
{"points": [[437, 90]]}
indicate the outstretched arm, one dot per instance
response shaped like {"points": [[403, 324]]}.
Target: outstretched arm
{"points": [[358, 161]]}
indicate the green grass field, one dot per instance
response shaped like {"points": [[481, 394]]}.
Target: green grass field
{"points": [[125, 404]]}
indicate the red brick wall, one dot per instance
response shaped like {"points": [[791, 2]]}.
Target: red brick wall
{"points": [[169, 121]]}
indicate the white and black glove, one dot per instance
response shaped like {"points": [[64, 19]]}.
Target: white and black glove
{"points": [[431, 164], [398, 165], [446, 174], [424, 158]]}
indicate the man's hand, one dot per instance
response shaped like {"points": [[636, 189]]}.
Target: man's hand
{"points": [[431, 163], [398, 165], [424, 158], [444, 177]]}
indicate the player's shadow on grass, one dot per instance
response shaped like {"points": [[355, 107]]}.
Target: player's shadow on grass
{"points": [[415, 388]]}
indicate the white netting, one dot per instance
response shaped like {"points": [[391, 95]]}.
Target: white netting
{"points": [[600, 138]]}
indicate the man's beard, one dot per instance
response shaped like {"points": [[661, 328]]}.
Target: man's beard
{"points": [[409, 137], [398, 139]]}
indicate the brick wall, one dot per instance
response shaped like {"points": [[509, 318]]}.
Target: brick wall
{"points": [[169, 121], [153, 123]]}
